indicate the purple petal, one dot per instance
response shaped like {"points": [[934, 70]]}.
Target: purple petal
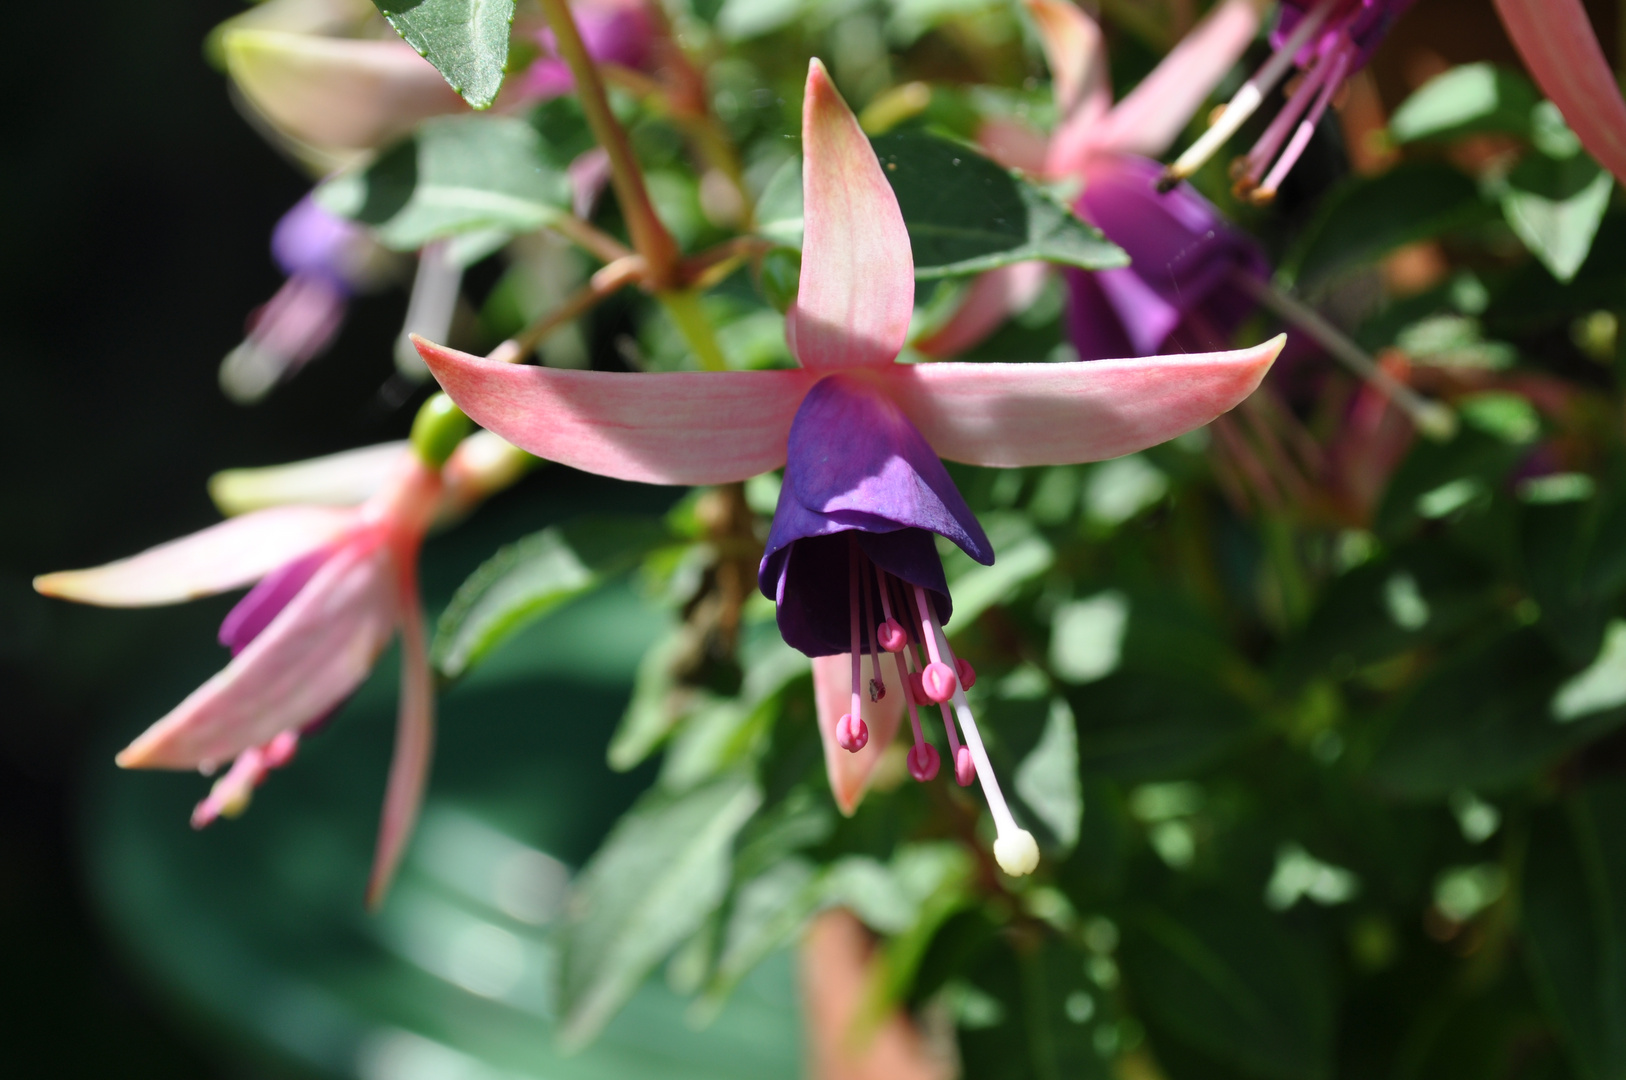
{"points": [[857, 465], [1183, 256], [254, 612]]}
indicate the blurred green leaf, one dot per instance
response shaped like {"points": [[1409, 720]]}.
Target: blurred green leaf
{"points": [[1574, 912], [1469, 99], [466, 40], [1048, 781], [1369, 217], [1049, 1022], [456, 174], [965, 214], [1483, 721], [529, 578], [656, 878], [1235, 983], [1556, 206], [1142, 726]]}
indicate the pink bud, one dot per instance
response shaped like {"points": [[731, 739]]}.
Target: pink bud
{"points": [[938, 679], [965, 770], [891, 636], [967, 673], [923, 762], [851, 733]]}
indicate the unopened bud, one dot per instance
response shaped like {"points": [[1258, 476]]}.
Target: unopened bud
{"points": [[440, 425]]}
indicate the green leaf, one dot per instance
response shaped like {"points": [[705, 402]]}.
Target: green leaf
{"points": [[1235, 983], [1574, 911], [1484, 721], [466, 40], [1047, 779], [1023, 556], [1137, 725], [965, 214], [1556, 206], [1040, 1016], [1466, 100], [529, 578], [1368, 218], [658, 876], [457, 174]]}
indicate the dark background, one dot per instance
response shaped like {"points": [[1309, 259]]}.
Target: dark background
{"points": [[133, 244]]}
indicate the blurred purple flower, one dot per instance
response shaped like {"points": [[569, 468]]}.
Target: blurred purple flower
{"points": [[328, 259], [1179, 291]]}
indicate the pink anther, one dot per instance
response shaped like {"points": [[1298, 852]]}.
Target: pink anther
{"points": [[938, 681], [852, 734], [965, 770], [967, 673], [877, 688], [917, 692], [891, 634], [923, 762]]}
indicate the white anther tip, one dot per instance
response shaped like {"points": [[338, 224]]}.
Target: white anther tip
{"points": [[1017, 852]]}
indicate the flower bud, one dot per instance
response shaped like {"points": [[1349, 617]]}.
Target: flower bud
{"points": [[438, 428]]}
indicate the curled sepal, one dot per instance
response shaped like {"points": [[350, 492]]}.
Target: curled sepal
{"points": [[857, 286]]}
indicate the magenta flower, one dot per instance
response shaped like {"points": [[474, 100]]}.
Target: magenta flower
{"points": [[334, 584], [1329, 40], [1558, 45], [851, 560], [1178, 290], [328, 259]]}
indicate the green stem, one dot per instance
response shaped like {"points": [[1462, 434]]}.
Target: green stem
{"points": [[684, 308]]}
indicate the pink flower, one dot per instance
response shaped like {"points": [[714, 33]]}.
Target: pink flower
{"points": [[334, 585], [862, 434], [1178, 290]]}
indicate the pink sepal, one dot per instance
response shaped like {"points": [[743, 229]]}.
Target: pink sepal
{"points": [[311, 657], [1562, 52], [1056, 414], [857, 287], [686, 427], [224, 556], [832, 696]]}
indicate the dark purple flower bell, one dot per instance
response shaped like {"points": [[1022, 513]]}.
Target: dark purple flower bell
{"points": [[863, 500], [1357, 25], [1179, 291]]}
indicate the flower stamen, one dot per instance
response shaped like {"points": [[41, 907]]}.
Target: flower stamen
{"points": [[851, 732], [1014, 847]]}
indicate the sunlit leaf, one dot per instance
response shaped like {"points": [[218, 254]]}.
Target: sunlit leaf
{"points": [[466, 40]]}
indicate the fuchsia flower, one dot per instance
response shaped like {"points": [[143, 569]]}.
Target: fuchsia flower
{"points": [[1178, 290], [1329, 40], [851, 560], [328, 259], [1558, 45], [334, 584]]}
